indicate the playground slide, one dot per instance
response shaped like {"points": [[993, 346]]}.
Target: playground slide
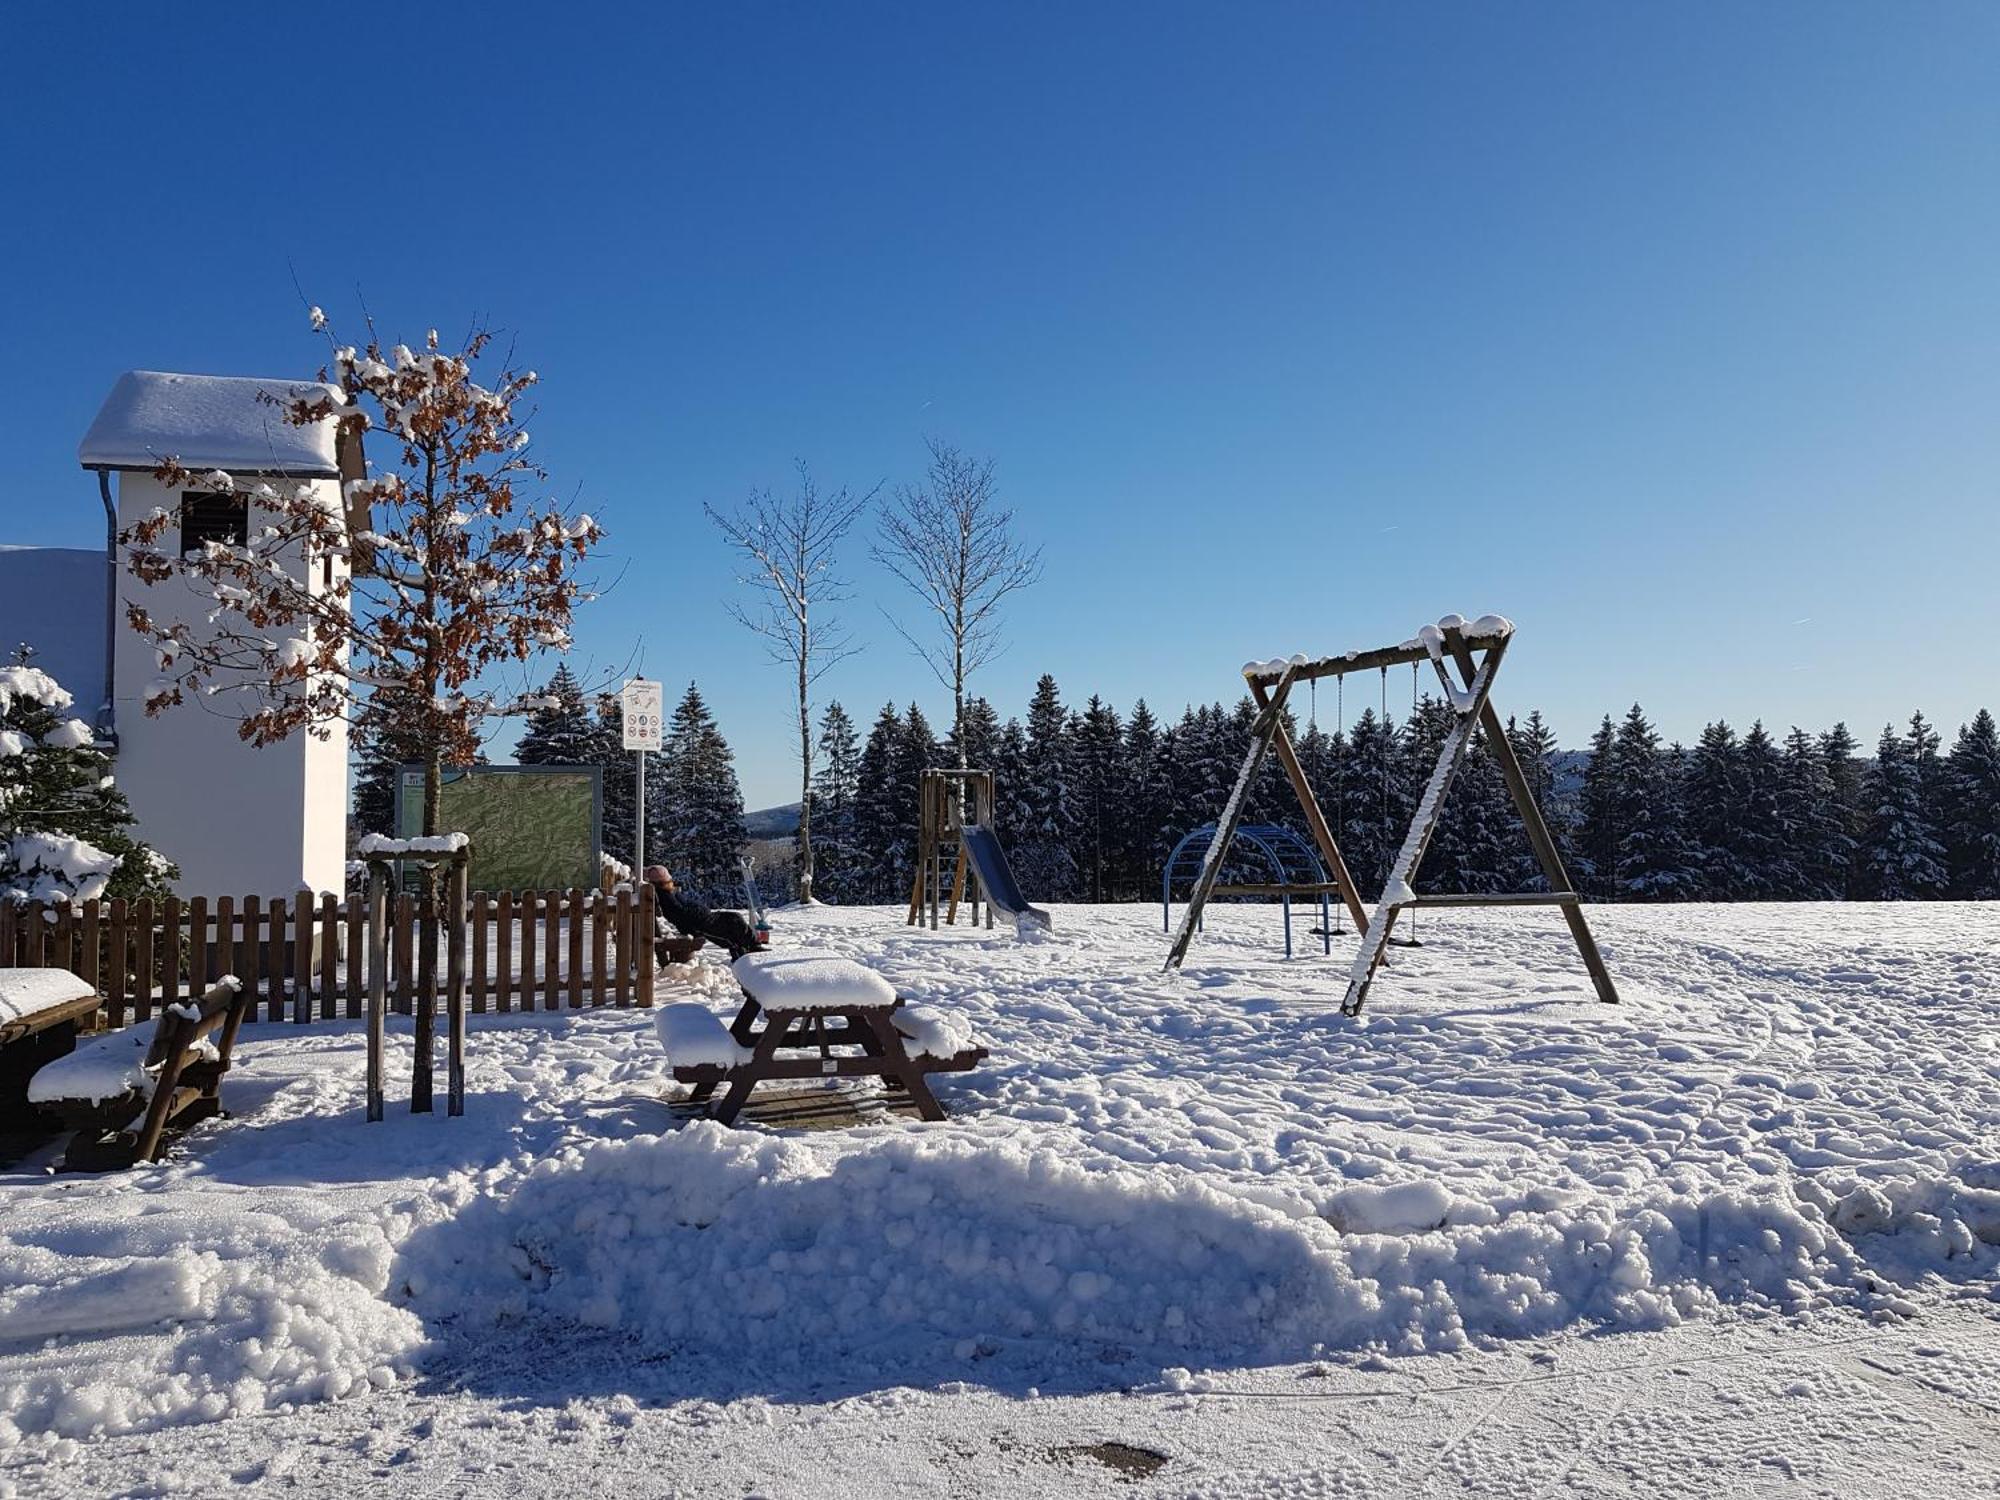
{"points": [[989, 862]]}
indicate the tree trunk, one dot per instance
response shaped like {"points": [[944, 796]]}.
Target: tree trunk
{"points": [[805, 871]]}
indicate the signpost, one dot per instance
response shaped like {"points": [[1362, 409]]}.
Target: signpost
{"points": [[640, 705]]}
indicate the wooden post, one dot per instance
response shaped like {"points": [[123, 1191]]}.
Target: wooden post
{"points": [[93, 939], [357, 951], [1546, 853], [170, 954], [551, 950], [481, 915], [378, 979], [200, 971], [274, 961], [629, 947], [1262, 731], [575, 902], [527, 979], [249, 952], [329, 953], [426, 939], [406, 919], [455, 992], [302, 957], [114, 988], [644, 948], [600, 972], [142, 960], [1375, 940], [503, 953]]}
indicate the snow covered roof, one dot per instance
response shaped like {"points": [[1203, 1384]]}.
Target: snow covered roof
{"points": [[207, 422]]}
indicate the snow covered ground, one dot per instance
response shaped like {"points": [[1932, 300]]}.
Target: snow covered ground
{"points": [[1185, 1234]]}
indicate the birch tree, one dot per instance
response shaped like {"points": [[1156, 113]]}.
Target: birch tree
{"points": [[454, 569], [952, 544], [790, 546]]}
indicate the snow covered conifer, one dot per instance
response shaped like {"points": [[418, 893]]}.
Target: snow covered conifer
{"points": [[836, 785], [1598, 832], [1655, 862], [1811, 822], [1902, 859], [700, 821], [1049, 798], [65, 827], [1972, 797], [883, 822], [1713, 791], [561, 730]]}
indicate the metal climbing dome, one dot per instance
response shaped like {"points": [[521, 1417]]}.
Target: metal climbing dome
{"points": [[1291, 861]]}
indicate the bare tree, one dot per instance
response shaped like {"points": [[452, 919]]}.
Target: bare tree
{"points": [[790, 545], [953, 545], [453, 571]]}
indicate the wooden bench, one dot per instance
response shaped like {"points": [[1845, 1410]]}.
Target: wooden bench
{"points": [[41, 1011], [812, 1003], [174, 1081]]}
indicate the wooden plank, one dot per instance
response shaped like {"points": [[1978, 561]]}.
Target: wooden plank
{"points": [[250, 953], [60, 956], [1262, 731], [503, 952], [114, 988], [623, 918], [173, 953], [646, 920], [357, 951], [1430, 810], [275, 950], [577, 916], [7, 935], [1519, 898], [90, 961], [302, 957], [1546, 854], [406, 919], [480, 976], [1368, 661], [142, 959], [527, 979], [600, 945], [329, 953], [199, 969], [551, 950]]}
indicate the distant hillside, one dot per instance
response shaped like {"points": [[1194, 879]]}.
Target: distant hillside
{"points": [[772, 822]]}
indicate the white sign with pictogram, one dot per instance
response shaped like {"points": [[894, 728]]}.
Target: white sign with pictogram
{"points": [[640, 701]]}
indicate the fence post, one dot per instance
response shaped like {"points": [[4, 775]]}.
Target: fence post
{"points": [[426, 938], [642, 950], [378, 979], [302, 956], [455, 991]]}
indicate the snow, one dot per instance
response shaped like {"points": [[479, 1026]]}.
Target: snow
{"points": [[1738, 1234], [71, 734], [381, 846], [208, 421], [23, 992], [34, 685], [694, 1038], [931, 1032], [810, 981], [102, 1068], [55, 867]]}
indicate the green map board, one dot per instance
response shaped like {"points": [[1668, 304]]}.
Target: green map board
{"points": [[533, 828]]}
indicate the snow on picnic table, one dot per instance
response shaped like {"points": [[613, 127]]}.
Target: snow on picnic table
{"points": [[1792, 1116]]}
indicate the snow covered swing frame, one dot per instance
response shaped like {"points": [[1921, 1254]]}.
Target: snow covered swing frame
{"points": [[1470, 695]]}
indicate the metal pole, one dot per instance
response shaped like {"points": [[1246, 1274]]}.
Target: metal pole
{"points": [[639, 817]]}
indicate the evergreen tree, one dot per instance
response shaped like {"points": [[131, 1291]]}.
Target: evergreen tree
{"points": [[383, 746], [1148, 810], [1972, 800], [1012, 812], [1373, 816], [620, 781], [981, 733], [883, 818], [561, 732], [1044, 862], [1812, 823], [1902, 859], [1598, 833], [1760, 848], [1837, 749], [1098, 738], [700, 816], [65, 827], [836, 789], [1654, 861], [1713, 794], [1535, 749]]}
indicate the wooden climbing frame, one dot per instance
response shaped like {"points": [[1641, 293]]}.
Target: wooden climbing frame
{"points": [[1474, 654], [948, 801]]}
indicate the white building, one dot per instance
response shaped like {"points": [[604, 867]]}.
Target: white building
{"points": [[237, 820]]}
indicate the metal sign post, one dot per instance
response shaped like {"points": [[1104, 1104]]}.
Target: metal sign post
{"points": [[639, 703]]}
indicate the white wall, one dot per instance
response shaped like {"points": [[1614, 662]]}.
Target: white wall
{"points": [[237, 820]]}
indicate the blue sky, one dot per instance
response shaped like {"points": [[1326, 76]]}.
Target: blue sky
{"points": [[1672, 332]]}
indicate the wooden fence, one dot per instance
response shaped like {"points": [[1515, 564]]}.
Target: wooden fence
{"points": [[305, 957]]}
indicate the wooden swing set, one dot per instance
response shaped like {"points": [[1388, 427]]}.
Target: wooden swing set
{"points": [[1474, 651]]}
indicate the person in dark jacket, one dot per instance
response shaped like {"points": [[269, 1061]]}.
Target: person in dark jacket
{"points": [[729, 930]]}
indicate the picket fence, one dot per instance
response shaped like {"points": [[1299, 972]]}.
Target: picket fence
{"points": [[305, 957]]}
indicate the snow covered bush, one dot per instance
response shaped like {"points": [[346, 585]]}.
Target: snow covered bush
{"points": [[64, 824]]}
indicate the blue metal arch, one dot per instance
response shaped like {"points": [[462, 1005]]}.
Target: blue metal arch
{"points": [[1291, 859]]}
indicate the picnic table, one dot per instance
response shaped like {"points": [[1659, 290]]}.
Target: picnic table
{"points": [[815, 1004], [41, 1011]]}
